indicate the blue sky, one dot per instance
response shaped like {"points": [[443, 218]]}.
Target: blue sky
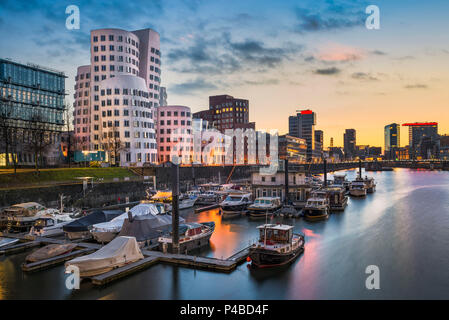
{"points": [[281, 55]]}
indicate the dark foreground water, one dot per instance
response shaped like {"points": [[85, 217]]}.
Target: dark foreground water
{"points": [[403, 229]]}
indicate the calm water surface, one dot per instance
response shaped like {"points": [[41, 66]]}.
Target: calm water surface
{"points": [[403, 228]]}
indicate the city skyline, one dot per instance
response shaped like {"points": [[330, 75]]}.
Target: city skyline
{"points": [[319, 56]]}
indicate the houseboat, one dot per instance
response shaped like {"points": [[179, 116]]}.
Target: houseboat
{"points": [[263, 185], [337, 197], [340, 180], [370, 185], [191, 236], [317, 207], [235, 204], [357, 188], [277, 246], [264, 206]]}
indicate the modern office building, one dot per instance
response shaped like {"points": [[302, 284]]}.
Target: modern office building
{"points": [[174, 133], [349, 140], [31, 103], [303, 126], [422, 137], [226, 112], [392, 134], [319, 143], [292, 148], [116, 113], [444, 147]]}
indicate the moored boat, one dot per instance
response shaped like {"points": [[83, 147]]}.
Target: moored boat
{"points": [[235, 204], [20, 217], [277, 246], [50, 225], [117, 253], [191, 236], [357, 188], [370, 185], [264, 206], [50, 251], [80, 228], [4, 242], [316, 208]]}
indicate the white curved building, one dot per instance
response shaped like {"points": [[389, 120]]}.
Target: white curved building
{"points": [[125, 74]]}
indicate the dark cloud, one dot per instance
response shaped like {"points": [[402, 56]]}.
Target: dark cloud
{"points": [[363, 76], [379, 52], [262, 82], [416, 86], [332, 16], [191, 86], [327, 71], [219, 55]]}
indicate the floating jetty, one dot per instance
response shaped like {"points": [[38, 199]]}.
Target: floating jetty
{"points": [[150, 258], [213, 206]]}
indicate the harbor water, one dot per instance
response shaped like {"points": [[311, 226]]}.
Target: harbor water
{"points": [[403, 229]]}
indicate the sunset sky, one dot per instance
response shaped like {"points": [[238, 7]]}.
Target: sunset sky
{"points": [[281, 55]]}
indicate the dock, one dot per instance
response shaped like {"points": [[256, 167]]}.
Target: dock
{"points": [[210, 207], [150, 258]]}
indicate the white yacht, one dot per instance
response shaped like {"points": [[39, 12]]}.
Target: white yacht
{"points": [[264, 206], [235, 204], [50, 225]]}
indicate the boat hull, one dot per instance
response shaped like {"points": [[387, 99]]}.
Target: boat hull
{"points": [[261, 213], [357, 193], [315, 215], [262, 258], [189, 245]]}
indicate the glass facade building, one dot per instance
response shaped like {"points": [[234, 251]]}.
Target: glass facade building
{"points": [[30, 93]]}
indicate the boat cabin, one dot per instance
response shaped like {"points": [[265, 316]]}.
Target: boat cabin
{"points": [[275, 233]]}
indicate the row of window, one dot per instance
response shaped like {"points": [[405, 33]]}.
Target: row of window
{"points": [[175, 114]]}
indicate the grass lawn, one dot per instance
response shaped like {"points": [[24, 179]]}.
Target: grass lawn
{"points": [[46, 176]]}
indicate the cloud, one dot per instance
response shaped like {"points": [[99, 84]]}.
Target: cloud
{"points": [[327, 71], [416, 86], [192, 86], [334, 15], [363, 76], [221, 55], [262, 82], [378, 53]]}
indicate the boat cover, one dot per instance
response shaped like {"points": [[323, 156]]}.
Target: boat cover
{"points": [[83, 224], [118, 252], [7, 241], [50, 251], [116, 224], [147, 227]]}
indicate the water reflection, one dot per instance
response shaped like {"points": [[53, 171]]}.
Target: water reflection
{"points": [[402, 228]]}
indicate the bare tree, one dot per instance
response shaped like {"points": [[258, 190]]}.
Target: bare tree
{"points": [[68, 118], [40, 137], [113, 145]]}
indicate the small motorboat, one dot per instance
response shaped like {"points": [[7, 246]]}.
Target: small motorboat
{"points": [[117, 253], [264, 206], [316, 208], [191, 236], [277, 246], [186, 201], [4, 242], [21, 217], [235, 204], [50, 225], [50, 251], [357, 188]]}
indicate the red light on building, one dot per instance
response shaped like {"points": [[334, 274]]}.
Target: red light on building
{"points": [[306, 112], [420, 124]]}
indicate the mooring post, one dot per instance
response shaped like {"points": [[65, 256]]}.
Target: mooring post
{"points": [[360, 169], [286, 180], [325, 171], [175, 208]]}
